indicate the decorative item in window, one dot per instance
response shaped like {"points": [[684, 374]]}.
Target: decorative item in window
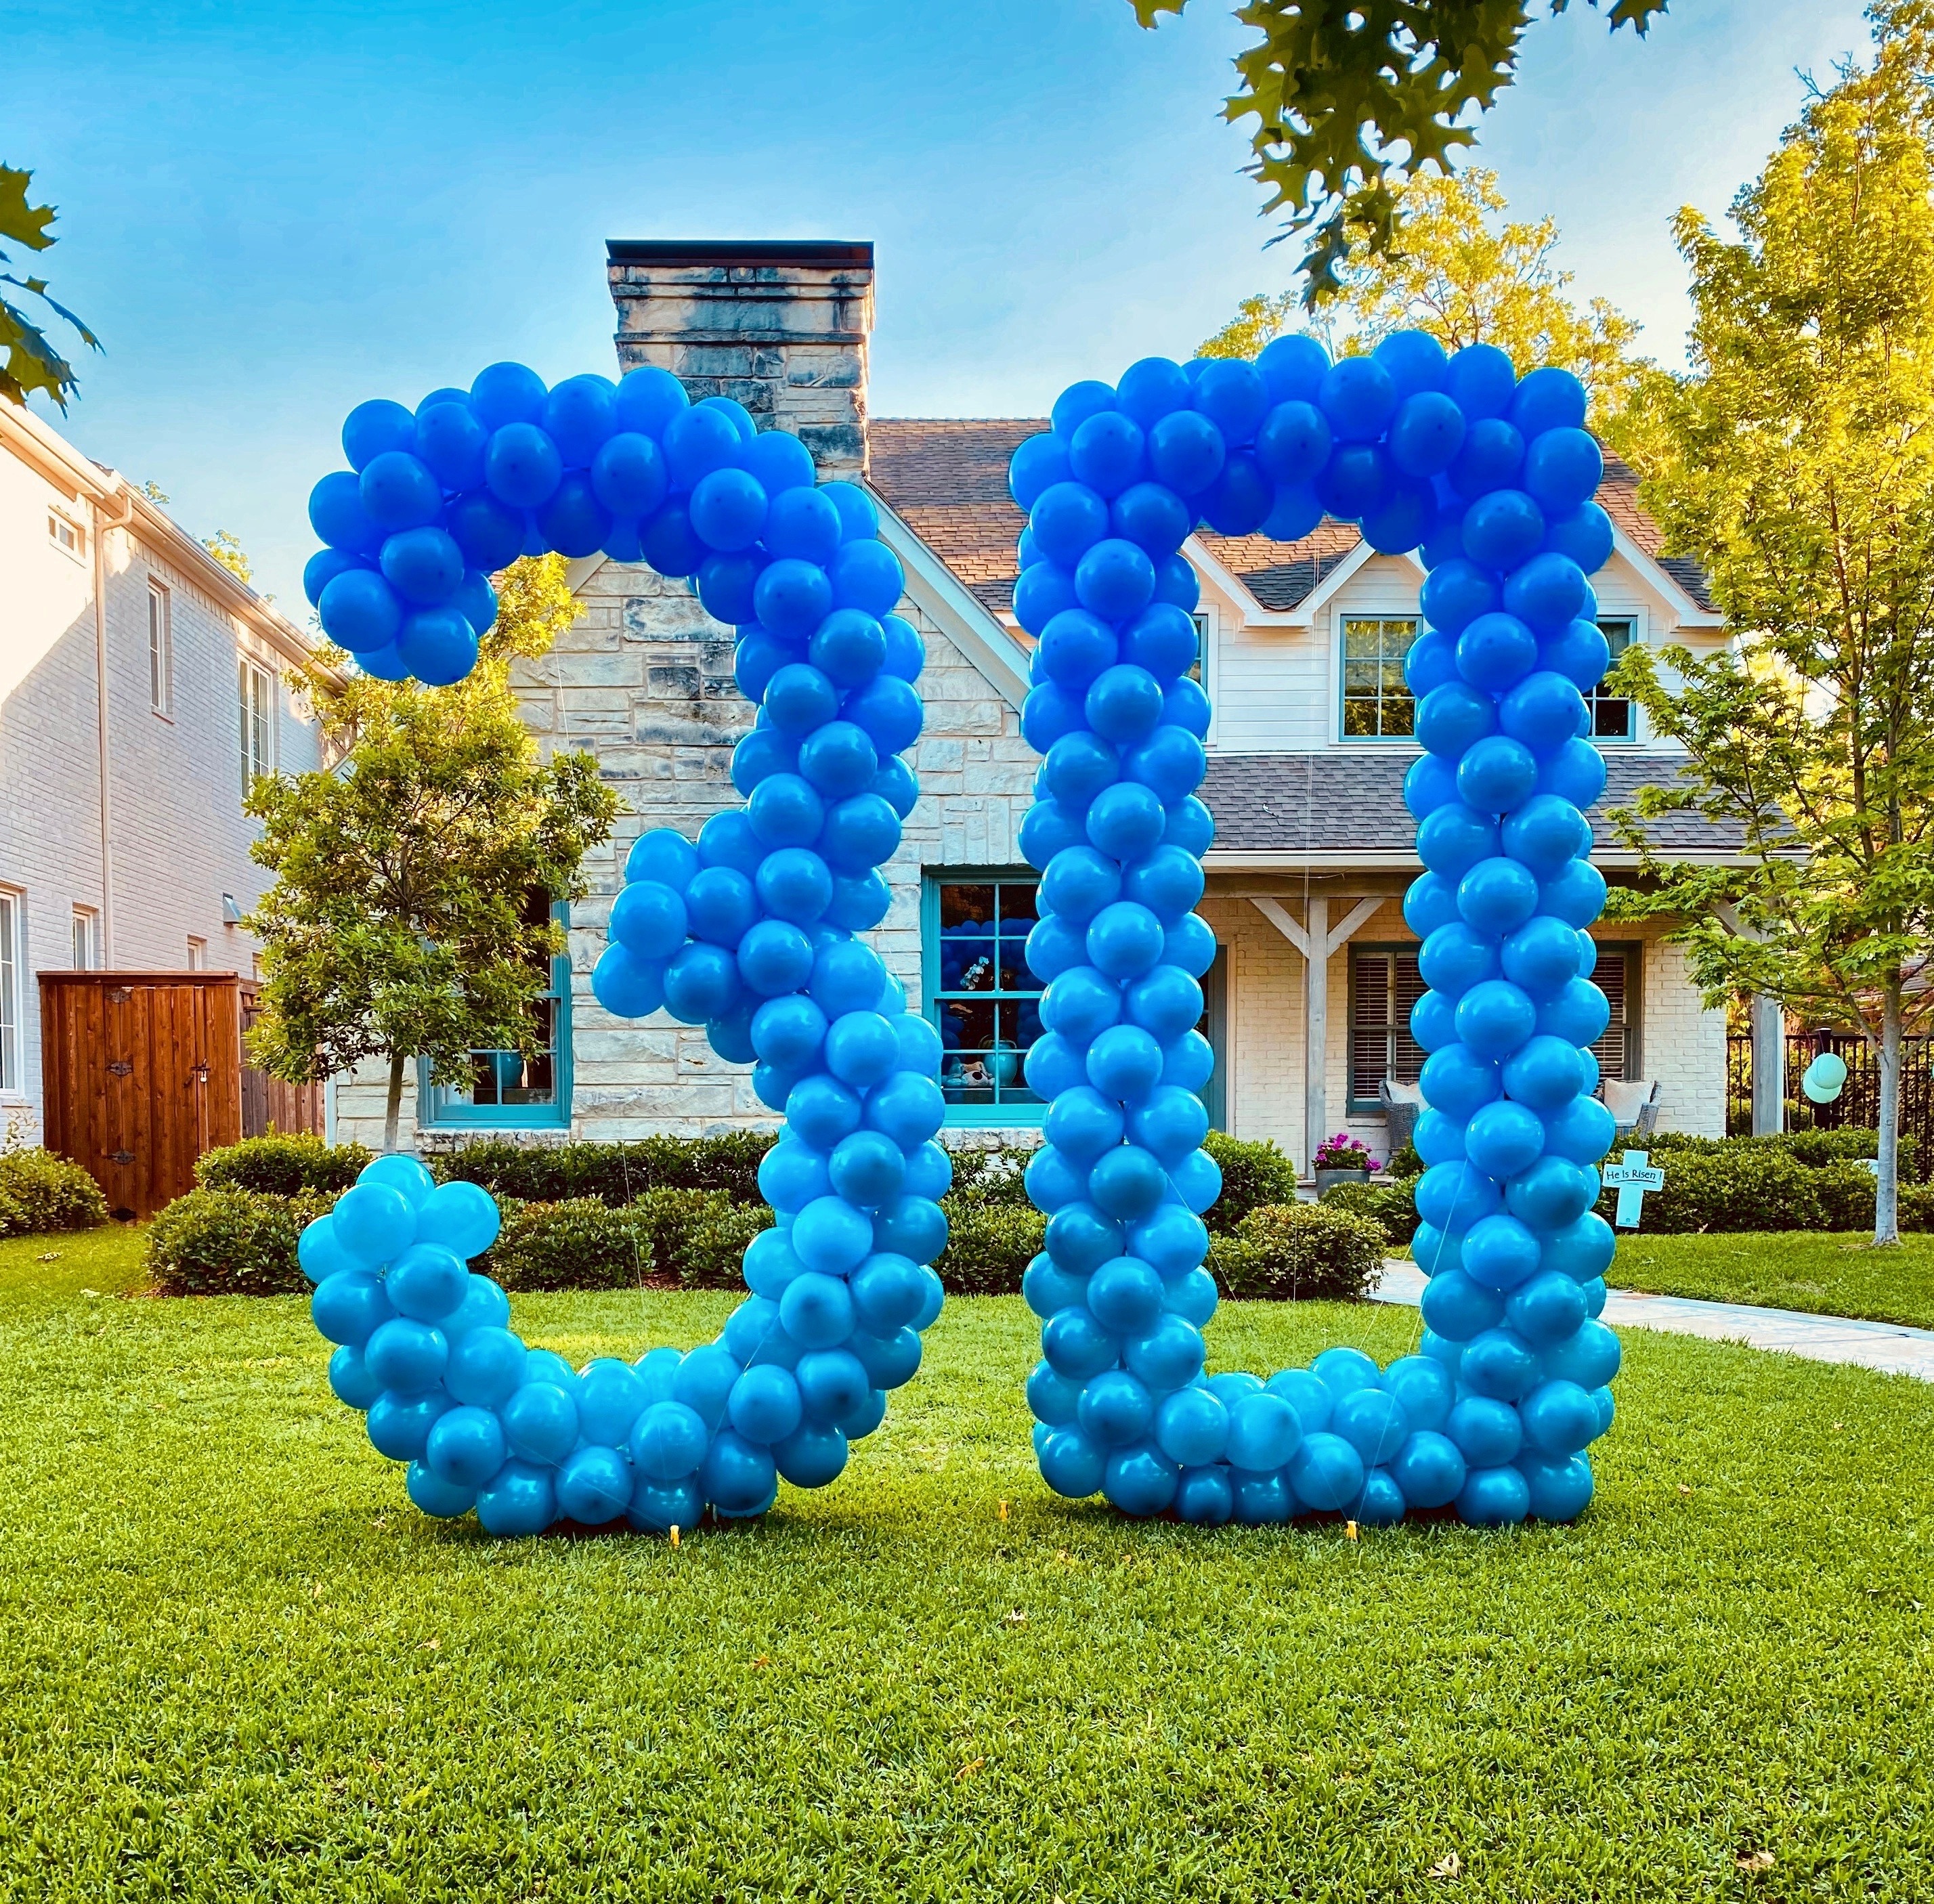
{"points": [[1342, 1158]]}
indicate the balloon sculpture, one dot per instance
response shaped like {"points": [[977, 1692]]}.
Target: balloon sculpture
{"points": [[1495, 478], [751, 931]]}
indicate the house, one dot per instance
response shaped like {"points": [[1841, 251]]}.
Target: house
{"points": [[1301, 647], [141, 685]]}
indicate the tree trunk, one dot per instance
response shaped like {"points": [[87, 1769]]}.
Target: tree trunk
{"points": [[1886, 1179], [392, 1110]]}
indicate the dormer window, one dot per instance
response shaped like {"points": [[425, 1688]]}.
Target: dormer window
{"points": [[1377, 704], [1613, 717]]}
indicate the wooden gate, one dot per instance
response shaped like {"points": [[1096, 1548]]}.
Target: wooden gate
{"points": [[142, 1073]]}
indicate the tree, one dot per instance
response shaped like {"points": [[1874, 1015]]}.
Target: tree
{"points": [[28, 362], [396, 924], [1466, 278], [226, 547], [1797, 462], [1351, 98]]}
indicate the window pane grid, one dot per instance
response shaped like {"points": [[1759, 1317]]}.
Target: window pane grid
{"points": [[1387, 985], [1611, 717], [985, 1001], [508, 1081], [1613, 1049], [1377, 703], [10, 993], [160, 650]]}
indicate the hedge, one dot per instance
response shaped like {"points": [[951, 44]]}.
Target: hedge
{"points": [[231, 1242], [1253, 1175], [41, 1192], [281, 1166], [989, 1245], [1298, 1253], [616, 1174], [1742, 1185], [1392, 1206]]}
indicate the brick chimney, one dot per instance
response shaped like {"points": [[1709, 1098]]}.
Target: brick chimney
{"points": [[781, 325]]}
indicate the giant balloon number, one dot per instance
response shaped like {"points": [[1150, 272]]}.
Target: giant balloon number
{"points": [[1495, 479], [751, 931]]}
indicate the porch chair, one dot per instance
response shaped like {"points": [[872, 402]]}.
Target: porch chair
{"points": [[1634, 1104], [1401, 1103]]}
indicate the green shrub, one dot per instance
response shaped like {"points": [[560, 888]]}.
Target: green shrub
{"points": [[613, 1173], [231, 1242], [577, 1242], [1916, 1206], [988, 1246], [699, 1236], [996, 1174], [40, 1192], [1404, 1161], [1815, 1148], [1392, 1207], [282, 1166], [1730, 1187], [1253, 1175], [1298, 1251]]}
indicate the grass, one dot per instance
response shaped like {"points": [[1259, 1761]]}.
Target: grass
{"points": [[1822, 1273], [238, 1665]]}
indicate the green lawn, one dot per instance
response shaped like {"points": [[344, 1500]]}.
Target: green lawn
{"points": [[239, 1664], [1823, 1274]]}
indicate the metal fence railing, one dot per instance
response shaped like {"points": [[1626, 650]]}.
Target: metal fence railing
{"points": [[1857, 1106]]}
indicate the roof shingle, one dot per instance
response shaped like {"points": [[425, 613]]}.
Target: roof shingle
{"points": [[1345, 802], [947, 479]]}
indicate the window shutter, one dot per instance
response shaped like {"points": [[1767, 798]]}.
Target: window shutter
{"points": [[1370, 1030], [1609, 977]]}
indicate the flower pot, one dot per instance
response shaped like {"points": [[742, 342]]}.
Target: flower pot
{"points": [[1329, 1179]]}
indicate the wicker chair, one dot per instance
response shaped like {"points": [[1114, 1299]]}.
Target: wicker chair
{"points": [[1634, 1104]]}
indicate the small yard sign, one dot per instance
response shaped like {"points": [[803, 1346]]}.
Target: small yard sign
{"points": [[1632, 1178]]}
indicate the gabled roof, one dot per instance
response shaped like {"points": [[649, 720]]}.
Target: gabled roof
{"points": [[947, 479]]}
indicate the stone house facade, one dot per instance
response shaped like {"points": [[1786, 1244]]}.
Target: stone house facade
{"points": [[1308, 753], [140, 682]]}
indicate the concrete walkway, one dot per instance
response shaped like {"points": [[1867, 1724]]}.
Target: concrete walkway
{"points": [[1891, 1348]]}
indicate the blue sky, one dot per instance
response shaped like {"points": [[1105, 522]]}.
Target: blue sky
{"points": [[271, 214]]}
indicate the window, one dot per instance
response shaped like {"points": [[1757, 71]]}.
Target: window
{"points": [[1617, 976], [1384, 983], [10, 991], [161, 652], [258, 722], [1377, 703], [981, 994], [1613, 716], [67, 535], [505, 1088], [197, 955], [1199, 672], [86, 938]]}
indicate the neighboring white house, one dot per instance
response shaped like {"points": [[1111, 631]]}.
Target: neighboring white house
{"points": [[1301, 649], [140, 685]]}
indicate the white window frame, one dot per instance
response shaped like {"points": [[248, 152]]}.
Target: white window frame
{"points": [[74, 546], [12, 1083], [160, 650], [197, 953], [255, 702], [86, 939], [1209, 629]]}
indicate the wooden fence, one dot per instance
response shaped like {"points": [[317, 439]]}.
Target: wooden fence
{"points": [[142, 1071]]}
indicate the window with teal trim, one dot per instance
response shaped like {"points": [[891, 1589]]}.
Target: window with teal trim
{"points": [[508, 1090], [980, 994]]}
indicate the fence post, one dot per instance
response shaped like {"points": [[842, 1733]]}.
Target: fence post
{"points": [[1768, 1066]]}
